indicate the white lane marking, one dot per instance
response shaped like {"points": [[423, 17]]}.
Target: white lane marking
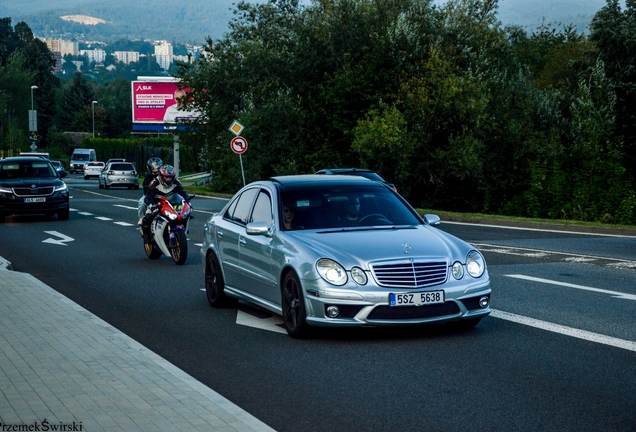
{"points": [[564, 330], [124, 206], [72, 209], [571, 256], [62, 241], [198, 244], [614, 294], [269, 324], [104, 218], [537, 229], [85, 213], [123, 224]]}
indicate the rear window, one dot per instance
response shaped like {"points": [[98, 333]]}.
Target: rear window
{"points": [[122, 167]]}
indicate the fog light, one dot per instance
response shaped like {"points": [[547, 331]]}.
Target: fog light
{"points": [[333, 311], [484, 301]]}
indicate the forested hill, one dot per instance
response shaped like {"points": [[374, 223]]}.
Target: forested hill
{"points": [[194, 20]]}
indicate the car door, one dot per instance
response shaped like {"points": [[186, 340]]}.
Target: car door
{"points": [[228, 232], [255, 252]]}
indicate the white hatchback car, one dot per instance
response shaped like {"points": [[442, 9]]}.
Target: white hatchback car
{"points": [[93, 169]]}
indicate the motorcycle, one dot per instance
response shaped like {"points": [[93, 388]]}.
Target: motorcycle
{"points": [[169, 228]]}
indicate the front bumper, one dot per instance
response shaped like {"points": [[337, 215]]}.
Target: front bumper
{"points": [[12, 205], [371, 306]]}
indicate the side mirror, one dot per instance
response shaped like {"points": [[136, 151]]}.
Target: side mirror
{"points": [[63, 174], [257, 228], [433, 220]]}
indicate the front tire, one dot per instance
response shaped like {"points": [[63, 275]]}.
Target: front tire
{"points": [[214, 283], [63, 214], [293, 305], [179, 251]]}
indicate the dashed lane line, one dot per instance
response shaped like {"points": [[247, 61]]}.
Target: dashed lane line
{"points": [[564, 330]]}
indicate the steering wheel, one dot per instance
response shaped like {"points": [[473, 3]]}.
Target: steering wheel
{"points": [[379, 216]]}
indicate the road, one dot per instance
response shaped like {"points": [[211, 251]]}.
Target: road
{"points": [[559, 352]]}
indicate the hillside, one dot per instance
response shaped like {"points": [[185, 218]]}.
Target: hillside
{"points": [[194, 20]]}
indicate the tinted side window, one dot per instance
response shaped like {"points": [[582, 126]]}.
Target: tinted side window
{"points": [[240, 210], [263, 209]]}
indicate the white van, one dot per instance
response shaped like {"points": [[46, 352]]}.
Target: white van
{"points": [[81, 157]]}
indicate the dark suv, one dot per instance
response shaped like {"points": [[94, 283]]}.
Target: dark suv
{"points": [[30, 185], [362, 172]]}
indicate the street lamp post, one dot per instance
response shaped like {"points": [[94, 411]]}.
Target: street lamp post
{"points": [[32, 88], [33, 122], [93, 104]]}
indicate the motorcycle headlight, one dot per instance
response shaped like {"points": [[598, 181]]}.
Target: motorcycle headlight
{"points": [[475, 264], [171, 216], [331, 271]]}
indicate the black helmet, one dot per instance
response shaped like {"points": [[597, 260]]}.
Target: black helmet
{"points": [[166, 175], [153, 165]]}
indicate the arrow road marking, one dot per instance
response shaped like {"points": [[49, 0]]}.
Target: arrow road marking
{"points": [[269, 324], [614, 294], [62, 241]]}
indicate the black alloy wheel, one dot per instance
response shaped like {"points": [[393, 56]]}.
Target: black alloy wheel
{"points": [[293, 305], [214, 283]]}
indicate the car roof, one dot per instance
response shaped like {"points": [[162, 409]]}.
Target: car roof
{"points": [[342, 170], [314, 180], [24, 159]]}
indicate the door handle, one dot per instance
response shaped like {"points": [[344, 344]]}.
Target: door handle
{"points": [[219, 233], [242, 240]]}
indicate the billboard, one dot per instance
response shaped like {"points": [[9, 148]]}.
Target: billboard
{"points": [[155, 105]]}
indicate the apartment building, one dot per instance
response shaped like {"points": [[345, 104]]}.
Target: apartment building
{"points": [[163, 54], [95, 55], [127, 57]]}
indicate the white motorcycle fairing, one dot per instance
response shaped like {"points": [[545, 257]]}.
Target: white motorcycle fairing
{"points": [[157, 228]]}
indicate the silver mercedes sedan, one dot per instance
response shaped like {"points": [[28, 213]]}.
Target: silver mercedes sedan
{"points": [[340, 251]]}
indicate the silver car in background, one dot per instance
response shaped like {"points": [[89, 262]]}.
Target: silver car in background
{"points": [[340, 251], [119, 174], [93, 169]]}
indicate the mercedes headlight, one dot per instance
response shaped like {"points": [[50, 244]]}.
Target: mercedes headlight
{"points": [[359, 275], [475, 264], [458, 270], [331, 271]]}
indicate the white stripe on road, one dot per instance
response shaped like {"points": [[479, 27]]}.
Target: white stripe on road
{"points": [[126, 207], [85, 213], [537, 229], [614, 294], [123, 224], [104, 218], [564, 330]]}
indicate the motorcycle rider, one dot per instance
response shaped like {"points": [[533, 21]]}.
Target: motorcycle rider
{"points": [[152, 171], [165, 184]]}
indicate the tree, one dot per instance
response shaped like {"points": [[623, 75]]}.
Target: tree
{"points": [[76, 97]]}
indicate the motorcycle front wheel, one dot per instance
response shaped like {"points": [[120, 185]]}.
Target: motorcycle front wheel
{"points": [[179, 250]]}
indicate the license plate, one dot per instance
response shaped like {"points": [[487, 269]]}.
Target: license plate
{"points": [[38, 199], [416, 299]]}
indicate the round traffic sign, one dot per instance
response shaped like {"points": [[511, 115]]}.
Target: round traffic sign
{"points": [[238, 144]]}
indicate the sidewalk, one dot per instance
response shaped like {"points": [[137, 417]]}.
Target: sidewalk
{"points": [[63, 368]]}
